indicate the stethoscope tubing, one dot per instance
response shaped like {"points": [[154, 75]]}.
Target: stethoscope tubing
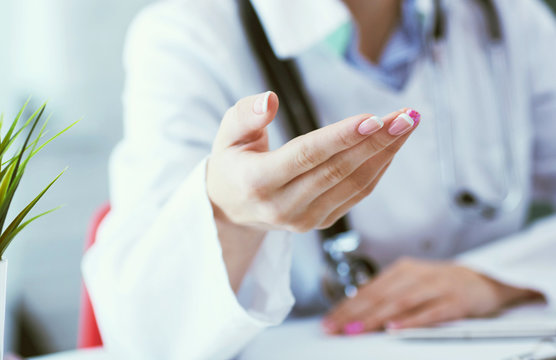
{"points": [[464, 200]]}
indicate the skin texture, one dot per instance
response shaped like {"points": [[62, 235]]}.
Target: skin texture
{"points": [[306, 184], [415, 293]]}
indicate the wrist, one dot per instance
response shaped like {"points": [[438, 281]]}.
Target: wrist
{"points": [[508, 295]]}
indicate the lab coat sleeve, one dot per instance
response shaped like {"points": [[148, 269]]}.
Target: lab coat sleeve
{"points": [[156, 275], [528, 259]]}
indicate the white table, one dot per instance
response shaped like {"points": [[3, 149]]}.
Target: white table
{"points": [[378, 347], [357, 348], [304, 339], [92, 354]]}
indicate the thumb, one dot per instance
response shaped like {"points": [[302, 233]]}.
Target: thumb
{"points": [[246, 121]]}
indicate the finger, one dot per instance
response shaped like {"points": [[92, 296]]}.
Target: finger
{"points": [[392, 283], [313, 149], [351, 202], [342, 197], [432, 313], [341, 166], [246, 120], [393, 307], [352, 309]]}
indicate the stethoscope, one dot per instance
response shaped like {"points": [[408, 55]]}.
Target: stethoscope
{"points": [[346, 269], [465, 201]]}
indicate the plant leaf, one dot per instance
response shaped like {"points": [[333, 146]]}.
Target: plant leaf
{"points": [[16, 176], [5, 182], [21, 216], [8, 139], [7, 241], [34, 152]]}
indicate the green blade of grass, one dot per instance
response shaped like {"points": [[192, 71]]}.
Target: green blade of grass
{"points": [[34, 152], [8, 139], [7, 241], [12, 170], [16, 176], [32, 145], [5, 182], [21, 216]]}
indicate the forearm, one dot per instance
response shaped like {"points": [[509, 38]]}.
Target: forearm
{"points": [[239, 246]]}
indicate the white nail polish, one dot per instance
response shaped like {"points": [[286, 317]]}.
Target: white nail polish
{"points": [[378, 121], [407, 118], [265, 101]]}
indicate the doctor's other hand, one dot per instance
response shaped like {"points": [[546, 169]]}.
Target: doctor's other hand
{"points": [[306, 184], [414, 293]]}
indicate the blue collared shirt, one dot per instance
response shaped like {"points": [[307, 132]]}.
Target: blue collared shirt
{"points": [[399, 55]]}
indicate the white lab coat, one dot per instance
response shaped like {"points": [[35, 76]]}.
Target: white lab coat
{"points": [[156, 274]]}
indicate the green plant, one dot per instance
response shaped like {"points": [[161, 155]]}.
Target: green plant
{"points": [[12, 170]]}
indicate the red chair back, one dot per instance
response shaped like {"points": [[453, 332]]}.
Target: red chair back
{"points": [[88, 333]]}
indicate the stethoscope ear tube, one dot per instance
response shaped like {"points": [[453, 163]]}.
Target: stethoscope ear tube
{"points": [[465, 200]]}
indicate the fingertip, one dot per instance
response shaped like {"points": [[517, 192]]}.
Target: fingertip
{"points": [[260, 106], [354, 328], [329, 327], [272, 102]]}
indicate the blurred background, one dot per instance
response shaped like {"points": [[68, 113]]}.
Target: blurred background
{"points": [[67, 52]]}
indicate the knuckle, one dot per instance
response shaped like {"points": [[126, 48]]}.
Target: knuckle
{"points": [[305, 158], [377, 144], [344, 140], [334, 173]]}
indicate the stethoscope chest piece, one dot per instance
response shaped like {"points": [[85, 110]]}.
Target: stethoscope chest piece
{"points": [[346, 270]]}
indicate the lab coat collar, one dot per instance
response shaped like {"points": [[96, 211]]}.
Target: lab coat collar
{"points": [[293, 26]]}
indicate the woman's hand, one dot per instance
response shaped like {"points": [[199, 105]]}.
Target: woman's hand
{"points": [[414, 293], [308, 183]]}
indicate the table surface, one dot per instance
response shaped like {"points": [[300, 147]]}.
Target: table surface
{"points": [[361, 348], [90, 354], [304, 339]]}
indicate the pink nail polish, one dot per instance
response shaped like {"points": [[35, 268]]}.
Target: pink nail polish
{"points": [[261, 103], [371, 125], [414, 115], [404, 122], [354, 328]]}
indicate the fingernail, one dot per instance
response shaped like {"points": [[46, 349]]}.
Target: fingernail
{"points": [[371, 125], [392, 325], [354, 328], [329, 326], [402, 124], [261, 103], [414, 115]]}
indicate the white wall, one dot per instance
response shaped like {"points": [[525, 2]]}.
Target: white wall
{"points": [[68, 52]]}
